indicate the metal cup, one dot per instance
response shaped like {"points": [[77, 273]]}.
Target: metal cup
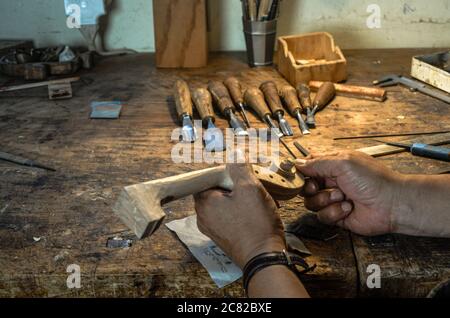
{"points": [[260, 39]]}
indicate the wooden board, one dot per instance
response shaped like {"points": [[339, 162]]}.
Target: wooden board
{"points": [[51, 220], [180, 33]]}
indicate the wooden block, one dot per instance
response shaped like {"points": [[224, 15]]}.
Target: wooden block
{"points": [[325, 60], [60, 91], [180, 33]]}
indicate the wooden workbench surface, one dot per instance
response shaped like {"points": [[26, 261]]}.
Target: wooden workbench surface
{"points": [[51, 220]]}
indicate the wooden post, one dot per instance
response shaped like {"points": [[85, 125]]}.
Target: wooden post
{"points": [[180, 33]]}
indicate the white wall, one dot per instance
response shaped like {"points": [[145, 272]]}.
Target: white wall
{"points": [[405, 23]]}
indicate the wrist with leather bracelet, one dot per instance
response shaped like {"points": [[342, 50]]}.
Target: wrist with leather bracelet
{"points": [[265, 260]]}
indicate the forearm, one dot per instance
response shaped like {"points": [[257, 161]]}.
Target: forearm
{"points": [[276, 282], [423, 206]]}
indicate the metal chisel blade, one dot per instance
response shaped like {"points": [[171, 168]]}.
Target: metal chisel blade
{"points": [[213, 138], [188, 131], [273, 127], [310, 119], [302, 124], [286, 129], [244, 115], [237, 125]]}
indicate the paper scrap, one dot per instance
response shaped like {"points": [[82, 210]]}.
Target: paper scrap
{"points": [[106, 110], [219, 266]]}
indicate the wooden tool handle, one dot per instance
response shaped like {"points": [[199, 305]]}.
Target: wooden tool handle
{"points": [[221, 96], [254, 98], [304, 94], [183, 99], [203, 102], [370, 93], [324, 95], [271, 94], [252, 10], [263, 10], [235, 89], [289, 96]]}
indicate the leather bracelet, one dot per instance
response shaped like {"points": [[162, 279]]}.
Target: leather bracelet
{"points": [[265, 260]]}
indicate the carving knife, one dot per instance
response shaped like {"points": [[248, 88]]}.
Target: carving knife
{"points": [[235, 89], [254, 98], [273, 100], [289, 96], [223, 102], [213, 136], [184, 105]]}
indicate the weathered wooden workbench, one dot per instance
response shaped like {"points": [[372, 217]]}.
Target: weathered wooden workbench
{"points": [[51, 220]]}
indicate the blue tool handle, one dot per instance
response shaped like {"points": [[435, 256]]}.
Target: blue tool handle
{"points": [[439, 153]]}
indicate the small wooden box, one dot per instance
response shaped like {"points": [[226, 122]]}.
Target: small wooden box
{"points": [[311, 57], [433, 69]]}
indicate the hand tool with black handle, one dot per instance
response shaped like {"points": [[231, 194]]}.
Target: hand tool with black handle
{"points": [[273, 10], [235, 89], [213, 136], [254, 98], [289, 96], [223, 102], [184, 105], [324, 96], [273, 100], [423, 150]]}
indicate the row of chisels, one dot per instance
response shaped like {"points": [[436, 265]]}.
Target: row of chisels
{"points": [[268, 102]]}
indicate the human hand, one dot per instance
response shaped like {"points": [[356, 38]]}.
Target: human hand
{"points": [[243, 223], [351, 190]]}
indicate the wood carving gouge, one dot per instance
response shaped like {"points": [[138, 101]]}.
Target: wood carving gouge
{"points": [[304, 95], [223, 102], [235, 89], [254, 98], [423, 150], [324, 96], [289, 96], [213, 136], [273, 100], [184, 106]]}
